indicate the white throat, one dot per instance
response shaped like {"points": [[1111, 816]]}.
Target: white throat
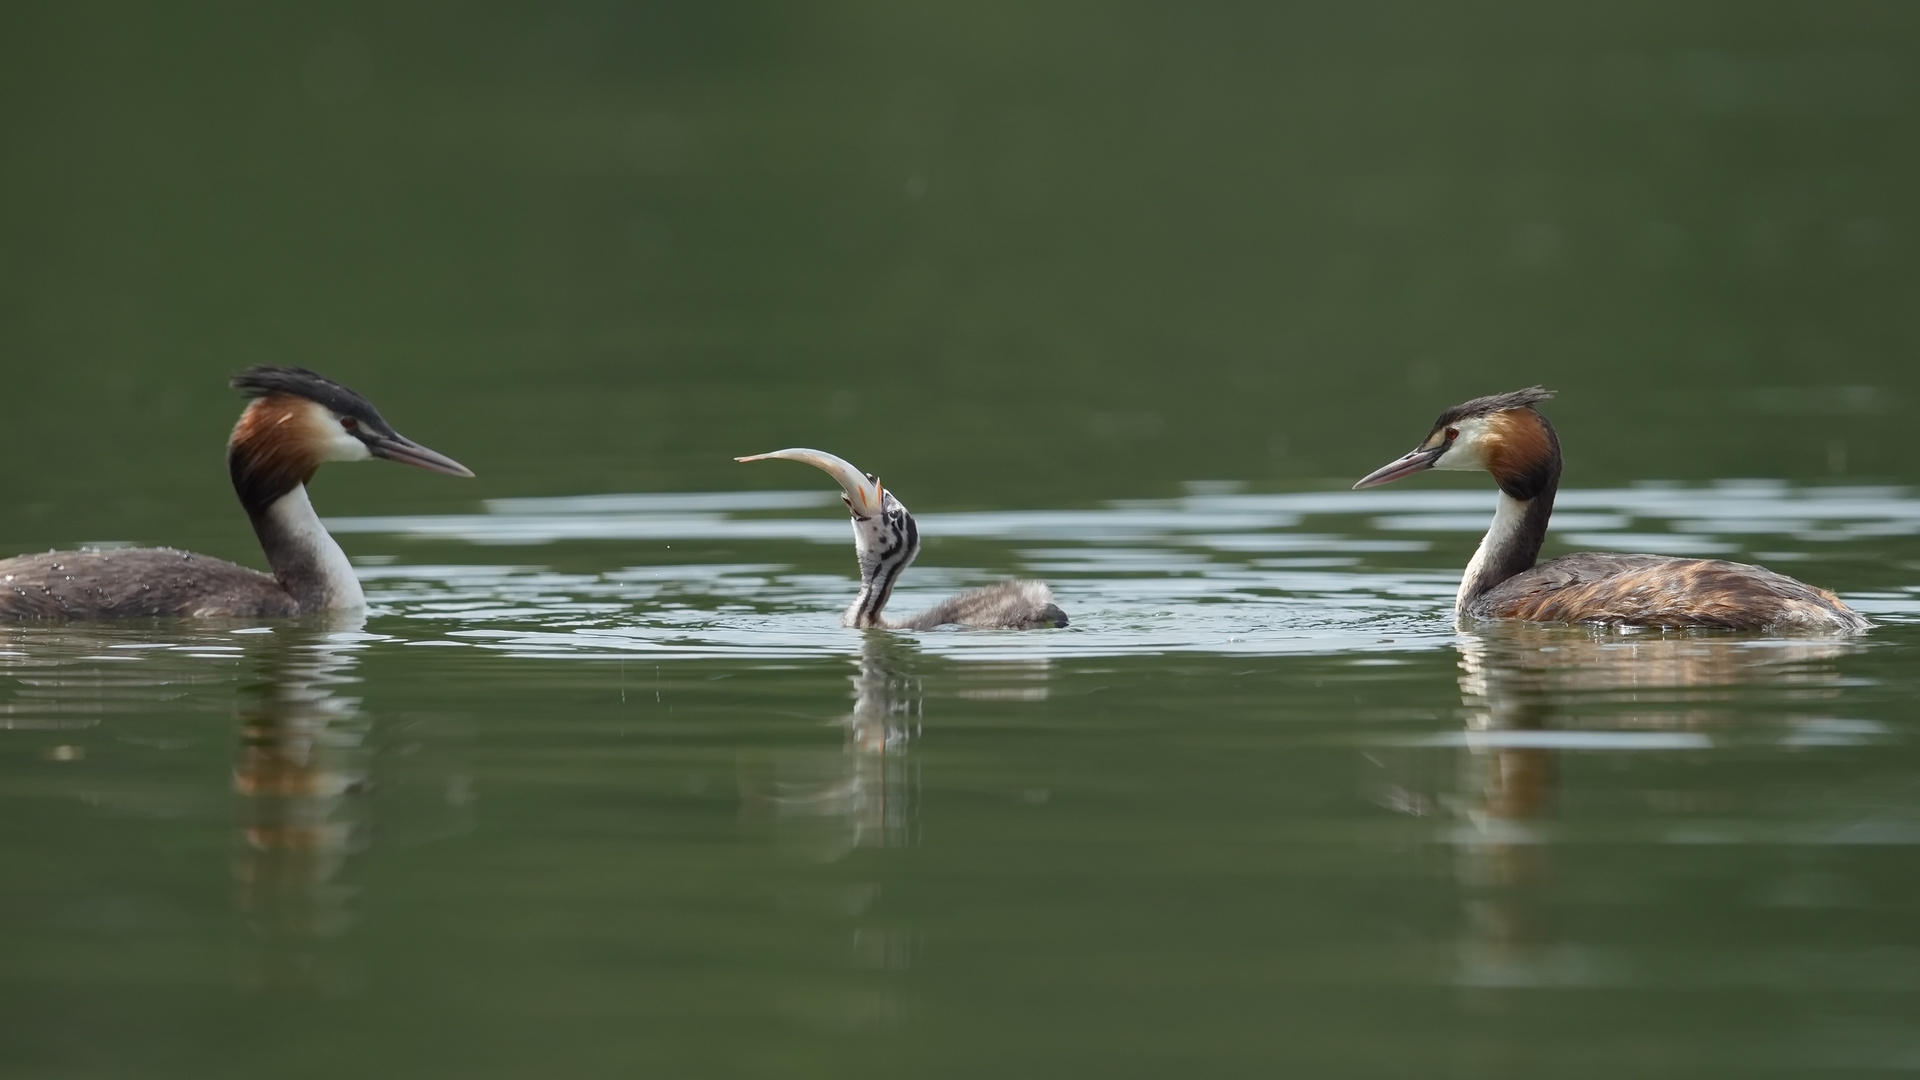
{"points": [[303, 549], [1509, 519]]}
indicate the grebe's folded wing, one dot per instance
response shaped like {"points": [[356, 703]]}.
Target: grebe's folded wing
{"points": [[1660, 590], [122, 583]]}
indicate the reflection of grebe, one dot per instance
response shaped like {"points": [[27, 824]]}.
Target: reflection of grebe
{"points": [[1521, 686], [860, 796], [886, 540], [297, 421], [1506, 436], [1514, 668], [301, 772], [307, 779]]}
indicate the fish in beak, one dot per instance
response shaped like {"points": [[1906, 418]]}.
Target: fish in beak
{"points": [[862, 492]]}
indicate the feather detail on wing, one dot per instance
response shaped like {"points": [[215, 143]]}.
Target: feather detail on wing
{"points": [[1657, 590], [118, 583]]}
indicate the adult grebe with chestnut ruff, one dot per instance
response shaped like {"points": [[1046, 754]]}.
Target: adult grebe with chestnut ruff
{"points": [[1506, 435], [296, 422]]}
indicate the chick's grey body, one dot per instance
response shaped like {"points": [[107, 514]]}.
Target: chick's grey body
{"points": [[127, 583], [1005, 605]]}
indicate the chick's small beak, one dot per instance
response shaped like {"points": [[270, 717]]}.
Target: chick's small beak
{"points": [[1418, 461], [399, 448], [863, 494]]}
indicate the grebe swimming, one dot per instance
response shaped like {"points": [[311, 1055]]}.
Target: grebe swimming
{"points": [[886, 539], [1507, 436], [296, 421]]}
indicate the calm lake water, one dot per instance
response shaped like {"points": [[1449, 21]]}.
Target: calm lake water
{"points": [[1119, 296], [1259, 807]]}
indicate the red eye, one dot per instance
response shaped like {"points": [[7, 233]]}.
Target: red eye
{"points": [[1452, 434], [349, 423]]}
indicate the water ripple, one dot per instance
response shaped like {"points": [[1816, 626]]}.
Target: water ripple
{"points": [[1212, 571]]}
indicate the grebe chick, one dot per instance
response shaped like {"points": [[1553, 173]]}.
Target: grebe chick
{"points": [[1506, 436], [296, 421], [886, 539]]}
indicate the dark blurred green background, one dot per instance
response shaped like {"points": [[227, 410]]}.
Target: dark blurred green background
{"points": [[1002, 254]]}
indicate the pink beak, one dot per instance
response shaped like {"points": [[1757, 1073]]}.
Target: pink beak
{"points": [[1418, 461]]}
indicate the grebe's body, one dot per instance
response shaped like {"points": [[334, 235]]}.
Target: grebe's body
{"points": [[136, 582], [296, 422], [886, 541], [1505, 435]]}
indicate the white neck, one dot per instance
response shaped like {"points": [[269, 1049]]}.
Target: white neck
{"points": [[1491, 562], [875, 590], [305, 558]]}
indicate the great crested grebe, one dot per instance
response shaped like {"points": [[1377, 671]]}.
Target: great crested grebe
{"points": [[886, 540], [296, 421], [1506, 436]]}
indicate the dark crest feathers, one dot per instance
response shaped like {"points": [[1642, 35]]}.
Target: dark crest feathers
{"points": [[264, 380], [1494, 403]]}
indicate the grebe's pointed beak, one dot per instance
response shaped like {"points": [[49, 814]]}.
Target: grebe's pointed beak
{"points": [[1419, 461], [862, 491], [398, 447]]}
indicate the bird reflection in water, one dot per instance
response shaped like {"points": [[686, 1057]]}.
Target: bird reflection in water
{"points": [[302, 774], [1533, 694], [824, 804]]}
